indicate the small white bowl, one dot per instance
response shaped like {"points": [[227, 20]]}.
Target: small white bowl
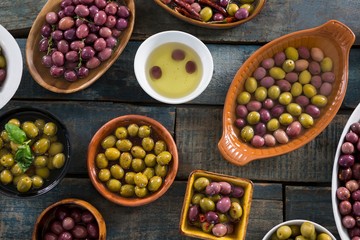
{"points": [[14, 66], [318, 228], [151, 43], [343, 233]]}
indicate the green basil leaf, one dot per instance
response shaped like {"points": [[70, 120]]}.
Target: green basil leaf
{"points": [[24, 157], [15, 133]]}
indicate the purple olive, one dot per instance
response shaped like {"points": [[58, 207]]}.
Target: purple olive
{"points": [[258, 141], [352, 137], [345, 174], [93, 230], [68, 223], [56, 227], [241, 111], [343, 193], [355, 127], [193, 213], [224, 204], [356, 171], [346, 160], [348, 221], [356, 208], [76, 215], [50, 236], [190, 67], [213, 188], [178, 55], [237, 192], [352, 185], [355, 195], [156, 72], [225, 188], [87, 216], [219, 230], [212, 217], [79, 231], [347, 148], [345, 207]]}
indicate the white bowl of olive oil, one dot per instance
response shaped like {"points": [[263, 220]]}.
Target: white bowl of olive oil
{"points": [[173, 67]]}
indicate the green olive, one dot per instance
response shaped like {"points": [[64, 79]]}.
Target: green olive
{"points": [[55, 148], [133, 129], [307, 229], [104, 175], [292, 53], [235, 210], [41, 146], [294, 109], [247, 133], [108, 142], [121, 133], [140, 180], [113, 185], [295, 230], [305, 77], [144, 131], [15, 121], [206, 204], [43, 172], [232, 9], [50, 164], [285, 98], [141, 192], [274, 92], [117, 171], [6, 177], [30, 129], [206, 14], [319, 100], [138, 164], [296, 89], [37, 181], [59, 160], [223, 218], [129, 178], [149, 172], [101, 161], [127, 190], [261, 94], [201, 183], [24, 184], [161, 170], [124, 145], [150, 160], [125, 160], [306, 120], [112, 154], [14, 146], [248, 7], [273, 125], [277, 73], [253, 117], [148, 144], [251, 85], [16, 170], [283, 232], [288, 65], [138, 152], [326, 64], [285, 119], [40, 123], [1, 143], [50, 129], [160, 146], [5, 136], [243, 98], [164, 158], [309, 90], [196, 198], [7, 160], [17, 178]]}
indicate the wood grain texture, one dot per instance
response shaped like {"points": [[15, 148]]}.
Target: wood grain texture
{"points": [[119, 83], [160, 220]]}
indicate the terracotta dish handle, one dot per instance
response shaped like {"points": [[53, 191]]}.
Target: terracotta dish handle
{"points": [[335, 39]]}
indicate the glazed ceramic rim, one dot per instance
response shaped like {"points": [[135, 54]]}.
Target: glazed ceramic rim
{"points": [[318, 228], [355, 116], [14, 66], [187, 39]]}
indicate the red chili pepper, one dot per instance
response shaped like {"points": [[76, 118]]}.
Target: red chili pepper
{"points": [[188, 8], [215, 6], [202, 218], [185, 13]]}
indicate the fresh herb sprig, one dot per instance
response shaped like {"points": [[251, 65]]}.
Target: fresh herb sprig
{"points": [[23, 156]]}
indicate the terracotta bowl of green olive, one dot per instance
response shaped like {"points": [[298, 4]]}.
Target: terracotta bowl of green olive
{"points": [[132, 160], [34, 152]]}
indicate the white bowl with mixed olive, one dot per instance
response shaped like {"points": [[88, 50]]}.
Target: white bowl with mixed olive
{"points": [[34, 152]]}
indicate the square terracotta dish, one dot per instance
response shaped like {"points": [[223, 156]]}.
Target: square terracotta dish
{"points": [[216, 205]]}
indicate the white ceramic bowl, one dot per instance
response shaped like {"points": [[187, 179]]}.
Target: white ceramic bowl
{"points": [[355, 117], [318, 228], [14, 66], [147, 47]]}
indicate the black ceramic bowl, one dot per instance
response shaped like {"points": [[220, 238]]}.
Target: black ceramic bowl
{"points": [[56, 175]]}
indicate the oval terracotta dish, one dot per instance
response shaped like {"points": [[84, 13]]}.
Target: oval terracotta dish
{"points": [[259, 4], [42, 75], [335, 39]]}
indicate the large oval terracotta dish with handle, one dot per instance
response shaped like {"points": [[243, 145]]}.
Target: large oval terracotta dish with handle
{"points": [[335, 39], [258, 6], [42, 75]]}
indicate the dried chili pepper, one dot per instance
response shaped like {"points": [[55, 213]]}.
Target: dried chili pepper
{"points": [[188, 8], [184, 12], [215, 6]]}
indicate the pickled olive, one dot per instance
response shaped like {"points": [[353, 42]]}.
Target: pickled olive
{"points": [[288, 65], [257, 141], [108, 142], [206, 14], [104, 175], [6, 177], [127, 190], [296, 89], [328, 77], [50, 129], [314, 68], [148, 144], [307, 229], [301, 65], [141, 192], [55, 148], [304, 77], [236, 210], [154, 183], [306, 120], [41, 146], [219, 230], [58, 160], [232, 8], [316, 54], [144, 131], [281, 136], [7, 160], [274, 92], [149, 172], [113, 185], [155, 72], [121, 133], [241, 111], [260, 94], [133, 130], [319, 100], [243, 98], [123, 145], [291, 77], [284, 85], [140, 180], [150, 160], [309, 90], [254, 105], [138, 164], [326, 89], [206, 204], [283, 232], [279, 58], [294, 109], [292, 53], [16, 170], [37, 181], [196, 198], [267, 81], [302, 100], [268, 63], [253, 118], [277, 73], [201, 183], [251, 84], [129, 178], [43, 172], [313, 111], [277, 110], [273, 125], [161, 170], [270, 140], [24, 184], [30, 129], [112, 154], [164, 158], [285, 98], [125, 160], [286, 118], [259, 73], [247, 133], [138, 152], [117, 171], [160, 146], [4, 136]]}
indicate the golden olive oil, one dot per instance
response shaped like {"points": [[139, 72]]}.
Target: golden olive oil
{"points": [[175, 81]]}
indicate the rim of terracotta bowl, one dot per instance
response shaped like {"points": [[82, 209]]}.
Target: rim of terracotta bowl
{"points": [[107, 129]]}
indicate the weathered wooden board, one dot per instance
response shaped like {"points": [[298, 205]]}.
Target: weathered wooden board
{"points": [[276, 19], [119, 83], [159, 220], [310, 203]]}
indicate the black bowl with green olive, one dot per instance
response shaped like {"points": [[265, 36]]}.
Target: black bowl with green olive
{"points": [[34, 152]]}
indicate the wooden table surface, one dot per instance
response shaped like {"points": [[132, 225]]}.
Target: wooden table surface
{"points": [[293, 186]]}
